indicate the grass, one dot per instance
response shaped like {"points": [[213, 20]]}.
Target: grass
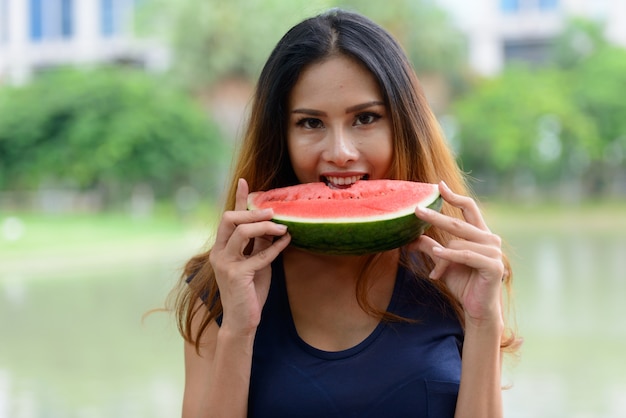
{"points": [[108, 234], [52, 246], [64, 245], [588, 218]]}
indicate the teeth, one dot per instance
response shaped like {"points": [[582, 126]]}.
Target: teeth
{"points": [[343, 181]]}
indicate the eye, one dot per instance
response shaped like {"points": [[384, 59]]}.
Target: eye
{"points": [[366, 118], [310, 123]]}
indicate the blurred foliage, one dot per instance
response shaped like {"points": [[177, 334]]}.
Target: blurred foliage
{"points": [[113, 129], [213, 39], [430, 38], [579, 39], [110, 128], [552, 125], [521, 121]]}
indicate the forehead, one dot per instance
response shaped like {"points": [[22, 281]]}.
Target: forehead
{"points": [[332, 79]]}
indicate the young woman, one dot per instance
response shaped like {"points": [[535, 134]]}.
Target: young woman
{"points": [[274, 331]]}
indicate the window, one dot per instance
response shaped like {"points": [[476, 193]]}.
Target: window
{"points": [[36, 20], [4, 21], [107, 18], [516, 6], [114, 14], [509, 6], [547, 5], [534, 52], [66, 18], [51, 19]]}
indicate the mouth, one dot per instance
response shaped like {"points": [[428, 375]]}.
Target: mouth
{"points": [[342, 182]]}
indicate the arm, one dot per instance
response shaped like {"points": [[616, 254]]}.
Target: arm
{"points": [[472, 268], [480, 391], [217, 377]]}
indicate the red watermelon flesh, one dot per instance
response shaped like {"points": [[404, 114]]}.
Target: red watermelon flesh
{"points": [[369, 216], [373, 199]]}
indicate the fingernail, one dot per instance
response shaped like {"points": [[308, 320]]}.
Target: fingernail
{"points": [[282, 227], [437, 250], [445, 186]]}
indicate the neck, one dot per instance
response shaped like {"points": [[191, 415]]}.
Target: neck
{"points": [[322, 292], [338, 263]]}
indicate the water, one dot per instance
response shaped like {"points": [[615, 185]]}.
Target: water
{"points": [[77, 348], [570, 301], [72, 343]]}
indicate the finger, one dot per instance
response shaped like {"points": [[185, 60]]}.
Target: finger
{"points": [[455, 226], [493, 251], [266, 255], [465, 248], [241, 196], [232, 219], [423, 244], [469, 207], [426, 244], [488, 267], [244, 233], [432, 248]]}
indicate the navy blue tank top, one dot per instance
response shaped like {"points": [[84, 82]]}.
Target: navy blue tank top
{"points": [[403, 369]]}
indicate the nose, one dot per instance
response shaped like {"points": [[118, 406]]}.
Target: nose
{"points": [[341, 148]]}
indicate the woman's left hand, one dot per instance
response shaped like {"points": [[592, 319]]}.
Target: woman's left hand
{"points": [[471, 265]]}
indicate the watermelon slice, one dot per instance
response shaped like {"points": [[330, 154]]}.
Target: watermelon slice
{"points": [[370, 216]]}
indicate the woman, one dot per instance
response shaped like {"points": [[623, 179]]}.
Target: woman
{"points": [[274, 331]]}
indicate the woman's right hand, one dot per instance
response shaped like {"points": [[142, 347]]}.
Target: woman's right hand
{"points": [[241, 258]]}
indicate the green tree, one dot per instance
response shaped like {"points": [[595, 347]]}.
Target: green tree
{"points": [[580, 39], [213, 39], [598, 91], [561, 123], [108, 128], [431, 40], [523, 124]]}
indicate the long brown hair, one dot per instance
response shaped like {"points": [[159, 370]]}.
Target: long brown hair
{"points": [[421, 152]]}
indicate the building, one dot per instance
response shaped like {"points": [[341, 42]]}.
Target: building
{"points": [[40, 34], [503, 30]]}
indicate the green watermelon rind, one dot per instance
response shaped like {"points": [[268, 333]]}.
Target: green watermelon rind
{"points": [[358, 238]]}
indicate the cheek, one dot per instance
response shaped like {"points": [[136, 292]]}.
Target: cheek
{"points": [[301, 160], [382, 156]]}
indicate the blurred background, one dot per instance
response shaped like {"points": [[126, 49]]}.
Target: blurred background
{"points": [[118, 120]]}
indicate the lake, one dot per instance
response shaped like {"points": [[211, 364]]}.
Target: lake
{"points": [[73, 344]]}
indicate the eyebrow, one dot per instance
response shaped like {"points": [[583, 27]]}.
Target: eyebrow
{"points": [[364, 106], [351, 109]]}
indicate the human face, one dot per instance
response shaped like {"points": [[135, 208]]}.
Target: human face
{"points": [[338, 131]]}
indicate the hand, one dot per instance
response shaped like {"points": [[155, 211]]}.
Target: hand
{"points": [[241, 258], [471, 265]]}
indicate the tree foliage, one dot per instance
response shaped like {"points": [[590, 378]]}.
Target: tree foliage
{"points": [[520, 122], [580, 39], [108, 128], [213, 39], [431, 40], [556, 124]]}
